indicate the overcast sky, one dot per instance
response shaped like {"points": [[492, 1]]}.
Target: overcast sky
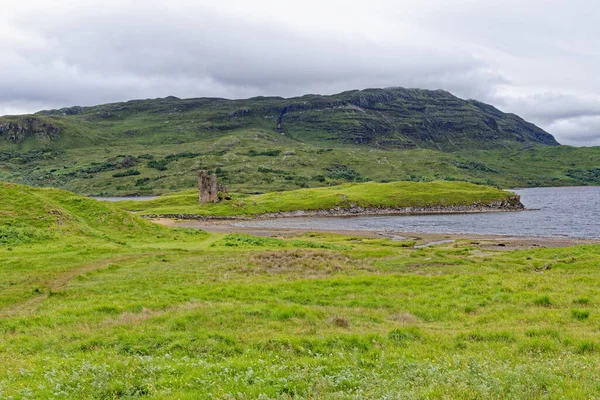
{"points": [[537, 58]]}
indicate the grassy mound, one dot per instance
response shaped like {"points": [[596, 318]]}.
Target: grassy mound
{"points": [[366, 195], [30, 215]]}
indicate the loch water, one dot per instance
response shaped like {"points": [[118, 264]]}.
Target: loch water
{"points": [[572, 212]]}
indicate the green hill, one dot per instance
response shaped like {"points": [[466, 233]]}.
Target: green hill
{"points": [[266, 144], [30, 215]]}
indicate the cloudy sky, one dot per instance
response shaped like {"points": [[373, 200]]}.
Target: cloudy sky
{"points": [[537, 58]]}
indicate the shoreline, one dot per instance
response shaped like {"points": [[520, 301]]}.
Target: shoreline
{"points": [[421, 239], [357, 211]]}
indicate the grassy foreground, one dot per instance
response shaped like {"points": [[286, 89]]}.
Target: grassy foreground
{"points": [[137, 310], [366, 195]]}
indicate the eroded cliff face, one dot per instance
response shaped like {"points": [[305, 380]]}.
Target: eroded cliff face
{"points": [[21, 129]]}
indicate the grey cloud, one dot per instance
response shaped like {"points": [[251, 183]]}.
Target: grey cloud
{"points": [[100, 54], [569, 118], [587, 128], [100, 58]]}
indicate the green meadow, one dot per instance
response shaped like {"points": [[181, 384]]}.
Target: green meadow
{"points": [[97, 303]]}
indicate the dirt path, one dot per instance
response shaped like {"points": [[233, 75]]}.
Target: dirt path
{"points": [[61, 282]]}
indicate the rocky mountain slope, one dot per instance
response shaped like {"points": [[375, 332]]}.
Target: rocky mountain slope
{"points": [[393, 118]]}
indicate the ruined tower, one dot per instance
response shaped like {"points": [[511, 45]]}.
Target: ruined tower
{"points": [[208, 187]]}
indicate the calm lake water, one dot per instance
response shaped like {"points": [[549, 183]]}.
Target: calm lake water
{"points": [[563, 212]]}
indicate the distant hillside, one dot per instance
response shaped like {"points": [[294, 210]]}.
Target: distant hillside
{"points": [[259, 145], [393, 118]]}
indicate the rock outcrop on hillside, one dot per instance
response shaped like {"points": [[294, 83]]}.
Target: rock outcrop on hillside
{"points": [[20, 129]]}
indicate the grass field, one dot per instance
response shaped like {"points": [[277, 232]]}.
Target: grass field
{"points": [[366, 195], [94, 308]]}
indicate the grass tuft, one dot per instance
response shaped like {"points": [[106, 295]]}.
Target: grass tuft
{"points": [[543, 301], [580, 315]]}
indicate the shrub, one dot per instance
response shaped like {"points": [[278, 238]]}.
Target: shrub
{"points": [[342, 171], [177, 156], [160, 165], [585, 175], [474, 166], [129, 172], [121, 161], [271, 170], [26, 157], [142, 181], [268, 153]]}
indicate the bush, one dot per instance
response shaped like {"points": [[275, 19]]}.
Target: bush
{"points": [[172, 157], [474, 166], [271, 170], [121, 161], [269, 153], [129, 172], [160, 165], [591, 175], [343, 171], [142, 181], [26, 157]]}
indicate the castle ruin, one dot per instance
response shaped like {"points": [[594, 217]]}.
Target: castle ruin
{"points": [[208, 187]]}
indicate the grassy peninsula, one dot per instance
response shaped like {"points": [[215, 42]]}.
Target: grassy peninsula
{"points": [[98, 303], [367, 196]]}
